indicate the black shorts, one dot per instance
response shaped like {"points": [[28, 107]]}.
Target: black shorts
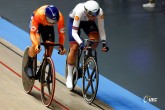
{"points": [[47, 33]]}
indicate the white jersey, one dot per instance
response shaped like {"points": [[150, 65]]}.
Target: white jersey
{"points": [[78, 14]]}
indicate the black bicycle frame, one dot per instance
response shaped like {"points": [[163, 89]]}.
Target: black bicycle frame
{"points": [[46, 54], [87, 54]]}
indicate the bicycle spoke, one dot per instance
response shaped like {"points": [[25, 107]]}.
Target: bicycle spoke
{"points": [[92, 88], [90, 80], [48, 87], [94, 70], [86, 89], [90, 83], [48, 83], [88, 71]]}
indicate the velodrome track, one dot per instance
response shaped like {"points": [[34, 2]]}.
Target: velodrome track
{"points": [[13, 96], [11, 88]]}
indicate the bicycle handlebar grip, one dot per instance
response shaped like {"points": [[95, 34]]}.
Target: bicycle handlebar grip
{"points": [[59, 52], [62, 48]]}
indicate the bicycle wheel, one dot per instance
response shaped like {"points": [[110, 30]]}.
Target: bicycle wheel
{"points": [[75, 73], [26, 81], [47, 81], [90, 80]]}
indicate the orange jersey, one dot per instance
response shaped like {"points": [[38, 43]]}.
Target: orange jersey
{"points": [[40, 18]]}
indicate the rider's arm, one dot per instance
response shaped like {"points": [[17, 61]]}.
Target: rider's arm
{"points": [[101, 26], [105, 48], [33, 31], [75, 28], [61, 29]]}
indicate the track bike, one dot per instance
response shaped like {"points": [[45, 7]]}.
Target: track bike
{"points": [[45, 73], [88, 71]]}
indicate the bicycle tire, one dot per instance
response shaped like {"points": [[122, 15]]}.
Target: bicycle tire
{"points": [[26, 81], [90, 79], [48, 81]]}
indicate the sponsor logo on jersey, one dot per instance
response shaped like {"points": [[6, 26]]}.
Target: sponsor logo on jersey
{"points": [[102, 17], [33, 28], [76, 18], [62, 30]]}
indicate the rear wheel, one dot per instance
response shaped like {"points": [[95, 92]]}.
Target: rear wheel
{"points": [[26, 81], [47, 81], [90, 80]]}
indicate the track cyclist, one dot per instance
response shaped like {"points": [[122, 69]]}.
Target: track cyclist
{"points": [[83, 16], [41, 25]]}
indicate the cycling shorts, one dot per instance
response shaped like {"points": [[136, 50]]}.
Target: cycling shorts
{"points": [[47, 33]]}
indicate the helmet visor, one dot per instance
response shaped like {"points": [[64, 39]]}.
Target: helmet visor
{"points": [[94, 13], [51, 21]]}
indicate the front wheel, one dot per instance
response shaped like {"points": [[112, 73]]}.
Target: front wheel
{"points": [[90, 80], [47, 81]]}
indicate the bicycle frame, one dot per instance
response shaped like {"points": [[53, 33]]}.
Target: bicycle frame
{"points": [[48, 75], [46, 53], [87, 53]]}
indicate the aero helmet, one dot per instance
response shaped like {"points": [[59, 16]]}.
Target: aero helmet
{"points": [[92, 8], [52, 14]]}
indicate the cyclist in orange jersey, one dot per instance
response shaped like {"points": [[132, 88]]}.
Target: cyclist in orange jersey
{"points": [[42, 26]]}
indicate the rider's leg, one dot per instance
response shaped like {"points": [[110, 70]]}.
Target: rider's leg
{"points": [[31, 54], [71, 61]]}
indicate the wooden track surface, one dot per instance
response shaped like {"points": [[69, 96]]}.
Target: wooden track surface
{"points": [[13, 97]]}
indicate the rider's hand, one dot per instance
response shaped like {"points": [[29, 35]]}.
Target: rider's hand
{"points": [[82, 46], [62, 52], [37, 48], [104, 46]]}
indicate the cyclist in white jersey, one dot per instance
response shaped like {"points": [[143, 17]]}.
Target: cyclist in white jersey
{"points": [[83, 16]]}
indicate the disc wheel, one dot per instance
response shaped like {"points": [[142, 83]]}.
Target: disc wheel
{"points": [[26, 81]]}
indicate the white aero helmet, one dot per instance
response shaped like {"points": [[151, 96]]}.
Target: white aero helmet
{"points": [[92, 8]]}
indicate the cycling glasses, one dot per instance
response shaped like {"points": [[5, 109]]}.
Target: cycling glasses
{"points": [[92, 13], [52, 21]]}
